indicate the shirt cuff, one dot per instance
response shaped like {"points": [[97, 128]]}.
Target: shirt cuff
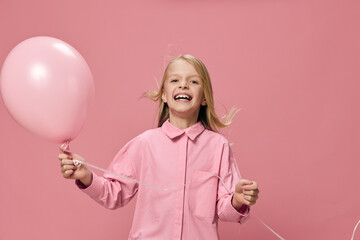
{"points": [[244, 209], [242, 216], [94, 189], [80, 184]]}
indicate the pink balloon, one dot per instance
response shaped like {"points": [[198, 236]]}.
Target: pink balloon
{"points": [[47, 86]]}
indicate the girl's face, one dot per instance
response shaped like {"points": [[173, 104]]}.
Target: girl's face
{"points": [[183, 90]]}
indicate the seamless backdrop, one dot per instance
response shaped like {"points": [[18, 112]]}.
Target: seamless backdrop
{"points": [[291, 66]]}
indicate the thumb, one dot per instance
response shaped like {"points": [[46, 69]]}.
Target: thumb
{"points": [[240, 185]]}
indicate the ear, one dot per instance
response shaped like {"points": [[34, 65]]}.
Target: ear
{"points": [[163, 97], [203, 102]]}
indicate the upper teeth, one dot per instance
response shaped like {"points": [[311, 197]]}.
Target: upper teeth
{"points": [[182, 97]]}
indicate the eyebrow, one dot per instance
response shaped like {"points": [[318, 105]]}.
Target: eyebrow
{"points": [[178, 75]]}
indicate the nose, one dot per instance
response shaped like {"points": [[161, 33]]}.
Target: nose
{"points": [[183, 84]]}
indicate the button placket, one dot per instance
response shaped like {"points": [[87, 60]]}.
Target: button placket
{"points": [[181, 176]]}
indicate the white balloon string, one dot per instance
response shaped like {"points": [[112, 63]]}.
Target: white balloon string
{"points": [[65, 148], [78, 164], [352, 237], [276, 234]]}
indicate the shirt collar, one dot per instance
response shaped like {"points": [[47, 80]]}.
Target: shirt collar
{"points": [[172, 132]]}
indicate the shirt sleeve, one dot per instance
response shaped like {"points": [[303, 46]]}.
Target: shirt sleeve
{"points": [[113, 191], [230, 175]]}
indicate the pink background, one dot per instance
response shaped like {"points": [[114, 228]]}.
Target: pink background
{"points": [[291, 66]]}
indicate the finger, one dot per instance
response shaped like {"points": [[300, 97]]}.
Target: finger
{"points": [[66, 162], [245, 181], [250, 187], [251, 203], [251, 192], [248, 203], [68, 167], [63, 156], [250, 198], [253, 186], [241, 184], [68, 173]]}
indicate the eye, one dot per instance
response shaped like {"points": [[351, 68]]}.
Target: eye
{"points": [[194, 82], [174, 80]]}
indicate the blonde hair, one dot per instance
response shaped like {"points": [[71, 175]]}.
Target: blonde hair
{"points": [[207, 115]]}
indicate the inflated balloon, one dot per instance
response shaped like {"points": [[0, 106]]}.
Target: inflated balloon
{"points": [[47, 86]]}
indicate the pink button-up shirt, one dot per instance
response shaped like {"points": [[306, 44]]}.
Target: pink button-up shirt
{"points": [[186, 161]]}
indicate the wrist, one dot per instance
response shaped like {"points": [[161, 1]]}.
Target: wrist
{"points": [[237, 205], [240, 207], [87, 180]]}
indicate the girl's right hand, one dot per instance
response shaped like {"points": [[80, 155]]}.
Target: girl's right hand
{"points": [[70, 171]]}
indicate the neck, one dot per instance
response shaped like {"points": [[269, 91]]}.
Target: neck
{"points": [[182, 122]]}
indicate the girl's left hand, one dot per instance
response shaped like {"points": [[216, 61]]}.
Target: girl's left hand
{"points": [[246, 192]]}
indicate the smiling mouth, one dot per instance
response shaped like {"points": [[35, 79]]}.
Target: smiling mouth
{"points": [[182, 97]]}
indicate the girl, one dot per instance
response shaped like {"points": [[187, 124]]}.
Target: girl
{"points": [[186, 153]]}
